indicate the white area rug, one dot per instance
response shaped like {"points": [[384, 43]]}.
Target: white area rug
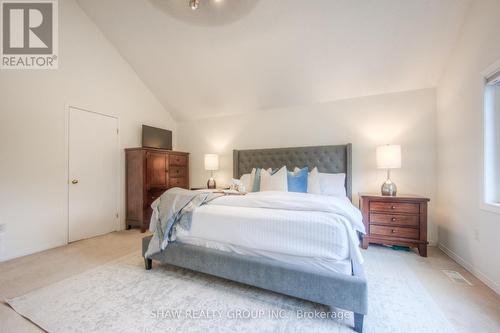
{"points": [[123, 297]]}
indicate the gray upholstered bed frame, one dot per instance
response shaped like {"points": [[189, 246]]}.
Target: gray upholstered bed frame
{"points": [[347, 292]]}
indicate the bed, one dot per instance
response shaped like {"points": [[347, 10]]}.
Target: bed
{"points": [[327, 279]]}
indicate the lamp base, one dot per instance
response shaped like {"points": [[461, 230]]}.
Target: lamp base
{"points": [[389, 188], [211, 183]]}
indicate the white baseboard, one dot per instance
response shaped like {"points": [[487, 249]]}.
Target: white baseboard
{"points": [[468, 266]]}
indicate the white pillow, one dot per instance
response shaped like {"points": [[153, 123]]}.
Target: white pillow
{"points": [[332, 184], [313, 185], [313, 182], [246, 181], [276, 182]]}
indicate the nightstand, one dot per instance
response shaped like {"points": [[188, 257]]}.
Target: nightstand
{"points": [[399, 220]]}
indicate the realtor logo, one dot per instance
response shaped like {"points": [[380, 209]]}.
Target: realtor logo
{"points": [[29, 34]]}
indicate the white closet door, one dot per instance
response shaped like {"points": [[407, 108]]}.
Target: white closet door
{"points": [[93, 174]]}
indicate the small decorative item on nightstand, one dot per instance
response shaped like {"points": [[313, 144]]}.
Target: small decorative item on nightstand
{"points": [[389, 157], [400, 220], [211, 164]]}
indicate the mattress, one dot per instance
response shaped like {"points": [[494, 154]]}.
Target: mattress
{"points": [[301, 263], [308, 230]]}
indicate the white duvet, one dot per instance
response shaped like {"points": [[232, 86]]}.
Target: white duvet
{"points": [[303, 225]]}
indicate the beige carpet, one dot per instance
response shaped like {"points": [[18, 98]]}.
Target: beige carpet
{"points": [[123, 297]]}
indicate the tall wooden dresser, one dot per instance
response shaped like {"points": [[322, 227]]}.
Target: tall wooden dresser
{"points": [[149, 173]]}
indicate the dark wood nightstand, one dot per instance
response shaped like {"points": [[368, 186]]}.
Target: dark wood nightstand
{"points": [[399, 220]]}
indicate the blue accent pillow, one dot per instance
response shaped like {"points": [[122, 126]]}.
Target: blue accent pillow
{"points": [[256, 182], [297, 182]]}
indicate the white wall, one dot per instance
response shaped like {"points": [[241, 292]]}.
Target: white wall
{"points": [[92, 75], [470, 235], [407, 118]]}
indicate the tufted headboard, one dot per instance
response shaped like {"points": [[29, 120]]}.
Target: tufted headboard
{"points": [[328, 159]]}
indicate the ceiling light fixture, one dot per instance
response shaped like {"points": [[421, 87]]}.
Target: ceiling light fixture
{"points": [[205, 12], [194, 4]]}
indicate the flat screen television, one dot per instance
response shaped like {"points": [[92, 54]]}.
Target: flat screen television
{"points": [[153, 137]]}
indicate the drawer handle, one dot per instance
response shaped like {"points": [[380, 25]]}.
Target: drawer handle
{"points": [[393, 231], [393, 219], [393, 207]]}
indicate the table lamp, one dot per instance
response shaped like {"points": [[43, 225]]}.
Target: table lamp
{"points": [[389, 157], [211, 164]]}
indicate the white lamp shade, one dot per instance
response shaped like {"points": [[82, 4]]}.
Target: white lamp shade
{"points": [[389, 157], [211, 162]]}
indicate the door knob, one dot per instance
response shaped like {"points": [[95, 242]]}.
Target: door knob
{"points": [[74, 181]]}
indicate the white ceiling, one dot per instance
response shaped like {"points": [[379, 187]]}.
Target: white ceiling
{"points": [[278, 53]]}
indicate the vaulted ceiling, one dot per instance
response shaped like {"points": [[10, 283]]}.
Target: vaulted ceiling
{"points": [[237, 56]]}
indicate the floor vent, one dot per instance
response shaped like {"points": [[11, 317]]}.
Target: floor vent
{"points": [[456, 277]]}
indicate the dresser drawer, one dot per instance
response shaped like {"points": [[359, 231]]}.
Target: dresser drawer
{"points": [[400, 207], [394, 231], [176, 172], [152, 195], [178, 182], [394, 219], [179, 160]]}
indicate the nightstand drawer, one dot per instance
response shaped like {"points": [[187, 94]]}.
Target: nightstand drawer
{"points": [[400, 207], [393, 219], [394, 231]]}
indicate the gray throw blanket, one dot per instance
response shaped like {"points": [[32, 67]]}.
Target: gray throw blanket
{"points": [[172, 207]]}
